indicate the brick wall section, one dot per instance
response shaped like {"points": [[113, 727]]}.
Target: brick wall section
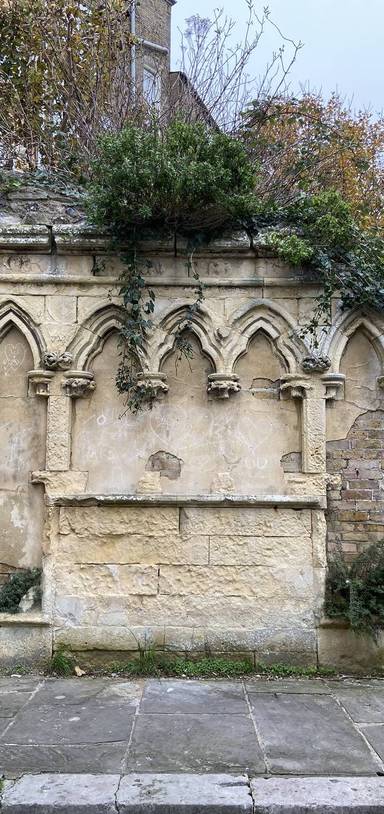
{"points": [[356, 509], [153, 20]]}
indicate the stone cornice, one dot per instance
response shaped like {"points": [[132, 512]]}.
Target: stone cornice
{"points": [[214, 500]]}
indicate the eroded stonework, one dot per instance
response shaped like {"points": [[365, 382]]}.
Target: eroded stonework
{"points": [[200, 524]]}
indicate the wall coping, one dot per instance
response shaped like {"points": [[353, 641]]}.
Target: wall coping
{"points": [[216, 501], [36, 618]]}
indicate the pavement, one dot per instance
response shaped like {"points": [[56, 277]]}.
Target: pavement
{"points": [[166, 746]]}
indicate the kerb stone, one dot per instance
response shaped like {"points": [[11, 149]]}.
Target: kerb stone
{"points": [[62, 794], [190, 793], [320, 795]]}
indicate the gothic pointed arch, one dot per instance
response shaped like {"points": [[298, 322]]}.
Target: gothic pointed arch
{"points": [[275, 323], [93, 333], [201, 323], [13, 315], [343, 328]]}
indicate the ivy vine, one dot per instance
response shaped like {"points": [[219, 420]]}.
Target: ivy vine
{"points": [[186, 180]]}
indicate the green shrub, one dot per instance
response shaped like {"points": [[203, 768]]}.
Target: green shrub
{"points": [[17, 586], [355, 591]]}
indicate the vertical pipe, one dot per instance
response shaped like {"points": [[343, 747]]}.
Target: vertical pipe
{"points": [[133, 48]]}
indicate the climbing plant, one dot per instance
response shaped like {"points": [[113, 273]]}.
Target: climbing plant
{"points": [[320, 232], [355, 591], [187, 179], [17, 586]]}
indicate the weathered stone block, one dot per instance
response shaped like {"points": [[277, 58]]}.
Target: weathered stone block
{"points": [[87, 522], [133, 548], [258, 581], [248, 551], [106, 579], [246, 521]]}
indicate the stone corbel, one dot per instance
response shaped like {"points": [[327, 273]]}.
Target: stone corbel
{"points": [[334, 385], [56, 361], [155, 383], [78, 383], [221, 385], [40, 381], [295, 386]]}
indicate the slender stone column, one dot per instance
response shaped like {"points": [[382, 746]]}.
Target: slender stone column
{"points": [[313, 391]]}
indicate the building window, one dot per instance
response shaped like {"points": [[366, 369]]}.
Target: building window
{"points": [[152, 88]]}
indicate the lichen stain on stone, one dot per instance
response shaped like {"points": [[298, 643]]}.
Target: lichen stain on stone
{"points": [[167, 464]]}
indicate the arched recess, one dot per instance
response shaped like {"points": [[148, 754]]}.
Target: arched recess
{"points": [[264, 315], [356, 348], [22, 442], [261, 366], [13, 316], [343, 328], [93, 333], [201, 323]]}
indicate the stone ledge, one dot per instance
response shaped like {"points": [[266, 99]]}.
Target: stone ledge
{"points": [[215, 501], [17, 238], [35, 618]]}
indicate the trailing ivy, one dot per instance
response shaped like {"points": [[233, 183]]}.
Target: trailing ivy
{"points": [[355, 591], [320, 232], [185, 180], [17, 586]]}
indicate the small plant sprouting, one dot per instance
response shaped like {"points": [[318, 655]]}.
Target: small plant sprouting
{"points": [[62, 662]]}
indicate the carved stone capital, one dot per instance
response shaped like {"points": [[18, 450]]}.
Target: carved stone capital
{"points": [[153, 382], [295, 386], [334, 385], [222, 385], [56, 361], [78, 383], [315, 364], [40, 380]]}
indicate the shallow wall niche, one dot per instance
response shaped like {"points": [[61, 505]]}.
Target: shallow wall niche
{"points": [[22, 442], [118, 448], [361, 367], [271, 425]]}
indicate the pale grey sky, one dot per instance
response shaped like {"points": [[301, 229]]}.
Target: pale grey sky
{"points": [[343, 42]]}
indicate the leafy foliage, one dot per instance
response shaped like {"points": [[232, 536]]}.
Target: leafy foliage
{"points": [[308, 145], [17, 586], [356, 591], [187, 179], [64, 78], [320, 231]]}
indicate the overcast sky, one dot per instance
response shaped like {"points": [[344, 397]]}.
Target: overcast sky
{"points": [[343, 42]]}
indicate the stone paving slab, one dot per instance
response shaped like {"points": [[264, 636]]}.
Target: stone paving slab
{"points": [[101, 725], [309, 735], [362, 704], [194, 697], [194, 743], [87, 758]]}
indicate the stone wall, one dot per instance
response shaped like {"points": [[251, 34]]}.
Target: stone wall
{"points": [[199, 525]]}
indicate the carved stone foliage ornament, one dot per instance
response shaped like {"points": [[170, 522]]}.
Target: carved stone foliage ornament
{"points": [[78, 384], [315, 364], [57, 361], [156, 383], [221, 385]]}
